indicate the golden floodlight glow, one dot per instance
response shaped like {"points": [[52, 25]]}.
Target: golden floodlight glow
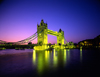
{"points": [[65, 56], [46, 55], [40, 63], [43, 59], [54, 58], [68, 54], [81, 48], [80, 56], [42, 39], [34, 57], [43, 29], [43, 47], [47, 58], [85, 41]]}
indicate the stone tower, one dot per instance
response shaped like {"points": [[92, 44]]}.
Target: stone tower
{"points": [[60, 37], [42, 33]]}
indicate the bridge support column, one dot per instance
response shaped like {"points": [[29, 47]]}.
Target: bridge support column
{"points": [[60, 37], [42, 33]]}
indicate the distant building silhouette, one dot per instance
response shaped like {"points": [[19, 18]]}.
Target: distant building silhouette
{"points": [[90, 42]]}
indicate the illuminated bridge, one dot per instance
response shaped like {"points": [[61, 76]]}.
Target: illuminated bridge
{"points": [[41, 35]]}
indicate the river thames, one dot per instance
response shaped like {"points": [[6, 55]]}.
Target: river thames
{"points": [[50, 63]]}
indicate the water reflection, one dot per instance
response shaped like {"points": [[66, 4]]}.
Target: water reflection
{"points": [[80, 49], [40, 62], [34, 57], [80, 54], [45, 60], [65, 58], [68, 54], [57, 62], [55, 58]]}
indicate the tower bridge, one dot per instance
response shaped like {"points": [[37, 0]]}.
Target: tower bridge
{"points": [[43, 31], [42, 38]]}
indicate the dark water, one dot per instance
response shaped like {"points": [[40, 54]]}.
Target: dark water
{"points": [[54, 63]]}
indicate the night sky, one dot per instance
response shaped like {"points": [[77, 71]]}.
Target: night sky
{"points": [[78, 19]]}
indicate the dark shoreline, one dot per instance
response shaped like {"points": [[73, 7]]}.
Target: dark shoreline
{"points": [[22, 47]]}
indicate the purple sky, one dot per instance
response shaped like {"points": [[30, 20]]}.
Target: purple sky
{"points": [[78, 19]]}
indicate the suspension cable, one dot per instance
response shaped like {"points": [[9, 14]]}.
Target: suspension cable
{"points": [[28, 37], [34, 36]]}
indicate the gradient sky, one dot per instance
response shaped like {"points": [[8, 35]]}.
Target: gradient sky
{"points": [[78, 19]]}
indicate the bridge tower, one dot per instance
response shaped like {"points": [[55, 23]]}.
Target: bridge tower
{"points": [[42, 33], [60, 37]]}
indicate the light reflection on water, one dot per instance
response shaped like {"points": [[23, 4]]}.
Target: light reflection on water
{"points": [[15, 63], [50, 59], [80, 55]]}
